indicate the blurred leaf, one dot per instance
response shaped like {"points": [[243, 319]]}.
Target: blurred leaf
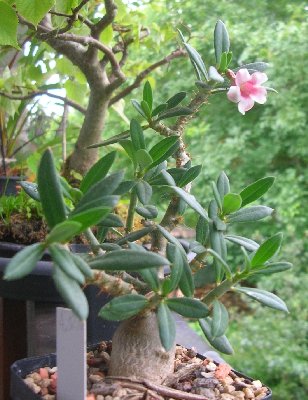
{"points": [[163, 150], [166, 326], [220, 343], [63, 232], [273, 268], [148, 95], [145, 107], [202, 230], [136, 235], [221, 40], [186, 283], [31, 189], [34, 10], [190, 175], [136, 134], [138, 107], [89, 217], [174, 112], [264, 297], [112, 220], [159, 109], [123, 307], [191, 201], [144, 191], [223, 185], [175, 256], [253, 67], [143, 158], [9, 20], [216, 195], [82, 265], [176, 99], [215, 75], [149, 212], [248, 244], [220, 319]]}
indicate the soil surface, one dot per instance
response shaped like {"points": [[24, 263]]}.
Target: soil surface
{"points": [[22, 230], [194, 378]]}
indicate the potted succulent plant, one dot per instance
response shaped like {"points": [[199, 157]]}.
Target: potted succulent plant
{"points": [[148, 283]]}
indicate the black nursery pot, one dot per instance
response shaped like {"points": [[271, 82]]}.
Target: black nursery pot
{"points": [[21, 368], [9, 184]]}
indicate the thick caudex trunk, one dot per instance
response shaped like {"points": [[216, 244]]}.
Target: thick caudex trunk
{"points": [[137, 350], [83, 158]]}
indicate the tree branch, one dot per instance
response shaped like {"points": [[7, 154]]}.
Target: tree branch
{"points": [[108, 18], [139, 78], [41, 93]]}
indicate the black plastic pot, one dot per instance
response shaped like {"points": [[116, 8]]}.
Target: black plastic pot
{"points": [[9, 184], [20, 391]]}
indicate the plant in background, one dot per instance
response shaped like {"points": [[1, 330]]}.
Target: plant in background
{"points": [[145, 283]]}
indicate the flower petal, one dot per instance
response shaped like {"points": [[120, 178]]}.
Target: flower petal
{"points": [[259, 95], [257, 78], [245, 104], [242, 76], [234, 94]]}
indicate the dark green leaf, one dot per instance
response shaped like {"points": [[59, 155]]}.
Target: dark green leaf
{"points": [[220, 319], [221, 40], [159, 109], [163, 150], [216, 195], [221, 260], [31, 189], [167, 178], [24, 262], [176, 99], [248, 244], [253, 213], [50, 192], [112, 220], [63, 232], [145, 107], [191, 201], [175, 256], [273, 268], [89, 217], [202, 230], [97, 172], [267, 250], [149, 212], [197, 61], [231, 203], [174, 112], [190, 175], [171, 238], [136, 235], [100, 202], [221, 343], [186, 283], [154, 171], [143, 158], [150, 277], [129, 260], [213, 209], [71, 293], [123, 307], [144, 191], [256, 190], [82, 265], [63, 259], [138, 107], [148, 94], [110, 246], [204, 276], [124, 187], [129, 149], [166, 326], [190, 308], [264, 297]]}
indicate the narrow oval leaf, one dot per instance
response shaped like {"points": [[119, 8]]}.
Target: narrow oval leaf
{"points": [[63, 232], [144, 191], [145, 107], [136, 235], [220, 319], [264, 297], [175, 256], [176, 99], [216, 195], [191, 201], [31, 189], [143, 158], [82, 265], [186, 283], [112, 220], [190, 175], [89, 218], [273, 268], [163, 150], [98, 171], [129, 260], [159, 109], [124, 187], [190, 308], [256, 190], [196, 60], [267, 250], [24, 262], [129, 149], [219, 258], [248, 244], [231, 203], [50, 191], [253, 213], [174, 112], [221, 343], [123, 307], [221, 40], [138, 107], [166, 326], [71, 293], [148, 94], [148, 212], [202, 231], [150, 276]]}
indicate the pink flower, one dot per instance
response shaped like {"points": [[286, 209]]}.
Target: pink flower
{"points": [[247, 89]]}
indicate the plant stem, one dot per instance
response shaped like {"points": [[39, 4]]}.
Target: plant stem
{"points": [[220, 290], [131, 211]]}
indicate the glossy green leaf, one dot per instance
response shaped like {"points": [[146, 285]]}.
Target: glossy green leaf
{"points": [[163, 150], [63, 259], [31, 189], [148, 212], [97, 172], [136, 134], [9, 20], [264, 297], [267, 250], [248, 244], [148, 94], [63, 232], [176, 99], [231, 203], [89, 217], [256, 190], [166, 326], [190, 175], [34, 10], [273, 268], [138, 107], [143, 158], [220, 343], [189, 308], [50, 191], [221, 40], [123, 307], [71, 293], [129, 260], [220, 319], [24, 262], [253, 213], [202, 230], [191, 201], [144, 191], [174, 112]]}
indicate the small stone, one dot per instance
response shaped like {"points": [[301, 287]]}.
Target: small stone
{"points": [[108, 397], [238, 395], [43, 373], [248, 393], [35, 388], [45, 382], [191, 353], [206, 392], [229, 389], [257, 384], [95, 378], [36, 377], [227, 396], [119, 393], [227, 380], [207, 374], [261, 396], [100, 397], [53, 370], [211, 366], [222, 371]]}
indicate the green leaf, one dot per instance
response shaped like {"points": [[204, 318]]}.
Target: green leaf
{"points": [[253, 213], [124, 187], [175, 256], [167, 178], [220, 259], [34, 10], [149, 212], [71, 293], [191, 201], [31, 189], [145, 107], [256, 190], [50, 191], [159, 109], [220, 343], [166, 326], [253, 67], [231, 203], [176, 99], [220, 319], [128, 260], [273, 268], [202, 231], [89, 217], [229, 58], [248, 244], [267, 250], [138, 107], [106, 35], [150, 277], [143, 158], [171, 238], [223, 62], [144, 191], [97, 172], [63, 259], [112, 220], [24, 262], [136, 235], [9, 24], [163, 150], [221, 40], [136, 134], [216, 195], [174, 112], [186, 283], [189, 308], [82, 265], [190, 175], [123, 307], [63, 232], [196, 60], [148, 95], [223, 185], [264, 297]]}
